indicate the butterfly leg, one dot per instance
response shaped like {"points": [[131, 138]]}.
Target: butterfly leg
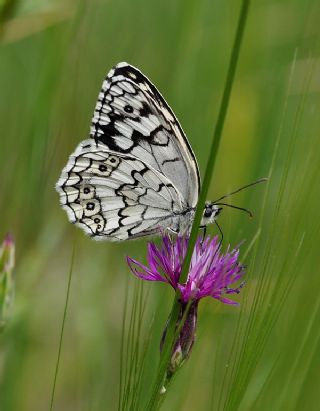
{"points": [[221, 238], [204, 233]]}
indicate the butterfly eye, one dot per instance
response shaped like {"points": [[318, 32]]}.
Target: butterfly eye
{"points": [[208, 212], [128, 109]]}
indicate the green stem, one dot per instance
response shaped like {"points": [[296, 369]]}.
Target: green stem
{"points": [[171, 335], [216, 137], [62, 328]]}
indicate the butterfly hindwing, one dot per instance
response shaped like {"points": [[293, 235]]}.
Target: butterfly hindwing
{"points": [[131, 117], [115, 195]]}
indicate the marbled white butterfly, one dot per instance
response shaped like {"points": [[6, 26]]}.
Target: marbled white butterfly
{"points": [[137, 173]]}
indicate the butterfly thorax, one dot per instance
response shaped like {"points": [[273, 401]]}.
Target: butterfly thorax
{"points": [[181, 223]]}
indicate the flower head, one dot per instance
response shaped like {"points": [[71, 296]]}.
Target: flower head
{"points": [[211, 273]]}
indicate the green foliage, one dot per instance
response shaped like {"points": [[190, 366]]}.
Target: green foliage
{"points": [[263, 355]]}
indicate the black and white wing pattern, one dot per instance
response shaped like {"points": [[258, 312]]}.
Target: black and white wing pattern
{"points": [[132, 117], [137, 173], [116, 196]]}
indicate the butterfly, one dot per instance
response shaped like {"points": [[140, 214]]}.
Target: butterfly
{"points": [[137, 174]]}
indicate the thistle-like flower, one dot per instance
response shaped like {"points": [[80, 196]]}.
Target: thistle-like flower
{"points": [[211, 274], [6, 281]]}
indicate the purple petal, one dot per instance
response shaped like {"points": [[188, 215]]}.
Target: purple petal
{"points": [[144, 272]]}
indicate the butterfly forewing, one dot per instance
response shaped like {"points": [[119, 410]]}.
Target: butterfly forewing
{"points": [[132, 117]]}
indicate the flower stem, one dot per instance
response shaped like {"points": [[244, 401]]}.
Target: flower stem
{"points": [[171, 334]]}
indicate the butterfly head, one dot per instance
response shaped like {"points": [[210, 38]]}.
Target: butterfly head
{"points": [[212, 209], [210, 213]]}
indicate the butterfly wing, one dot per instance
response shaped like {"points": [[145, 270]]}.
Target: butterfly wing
{"points": [[116, 196], [131, 117]]}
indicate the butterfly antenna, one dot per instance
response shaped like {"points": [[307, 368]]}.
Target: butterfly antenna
{"points": [[237, 208], [261, 180]]}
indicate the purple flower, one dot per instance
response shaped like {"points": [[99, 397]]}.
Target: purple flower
{"points": [[211, 273]]}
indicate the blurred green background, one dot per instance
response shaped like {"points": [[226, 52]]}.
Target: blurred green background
{"points": [[263, 355]]}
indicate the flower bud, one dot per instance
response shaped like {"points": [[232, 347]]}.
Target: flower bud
{"points": [[6, 280], [184, 343]]}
